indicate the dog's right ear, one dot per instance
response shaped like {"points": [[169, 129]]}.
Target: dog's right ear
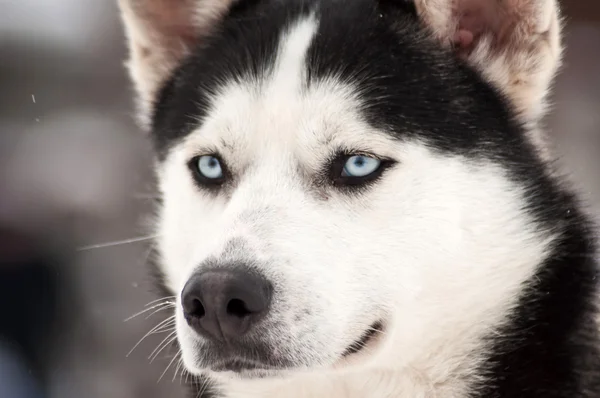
{"points": [[160, 34]]}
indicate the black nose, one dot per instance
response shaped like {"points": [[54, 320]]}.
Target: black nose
{"points": [[223, 304]]}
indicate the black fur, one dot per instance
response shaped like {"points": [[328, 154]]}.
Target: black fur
{"points": [[551, 347], [413, 88]]}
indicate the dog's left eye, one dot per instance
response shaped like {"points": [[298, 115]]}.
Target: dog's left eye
{"points": [[357, 170], [360, 166]]}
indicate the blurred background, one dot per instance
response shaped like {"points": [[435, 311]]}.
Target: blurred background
{"points": [[75, 172]]}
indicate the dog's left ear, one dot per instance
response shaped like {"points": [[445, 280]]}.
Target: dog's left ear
{"points": [[160, 34], [514, 44]]}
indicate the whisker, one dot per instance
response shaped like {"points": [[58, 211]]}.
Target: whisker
{"points": [[117, 243], [183, 371], [203, 387], [165, 304], [153, 330], [162, 345], [167, 327], [199, 387], [187, 375], [176, 370], [149, 252], [160, 299], [168, 366], [161, 309], [179, 367]]}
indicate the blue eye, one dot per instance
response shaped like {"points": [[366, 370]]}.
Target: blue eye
{"points": [[360, 166], [210, 167]]}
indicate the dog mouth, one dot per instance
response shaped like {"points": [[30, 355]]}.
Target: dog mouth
{"points": [[257, 369], [241, 365], [365, 340]]}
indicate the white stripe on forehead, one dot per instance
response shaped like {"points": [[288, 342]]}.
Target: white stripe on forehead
{"points": [[244, 106], [277, 118], [289, 73]]}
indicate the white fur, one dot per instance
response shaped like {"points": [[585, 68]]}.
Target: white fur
{"points": [[438, 249]]}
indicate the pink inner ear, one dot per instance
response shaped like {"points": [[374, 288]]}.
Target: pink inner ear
{"points": [[476, 17], [463, 38], [173, 19]]}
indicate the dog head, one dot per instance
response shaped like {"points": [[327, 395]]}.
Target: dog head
{"points": [[343, 181]]}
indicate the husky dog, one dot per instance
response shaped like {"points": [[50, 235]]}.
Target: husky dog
{"points": [[357, 200]]}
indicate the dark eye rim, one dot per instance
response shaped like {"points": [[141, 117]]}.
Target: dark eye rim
{"points": [[204, 181], [336, 168]]}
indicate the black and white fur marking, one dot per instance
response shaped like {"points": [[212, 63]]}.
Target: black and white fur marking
{"points": [[467, 254]]}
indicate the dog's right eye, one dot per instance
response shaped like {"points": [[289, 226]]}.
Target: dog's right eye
{"points": [[208, 170]]}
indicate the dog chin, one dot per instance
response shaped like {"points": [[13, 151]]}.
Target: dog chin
{"points": [[245, 374], [239, 368]]}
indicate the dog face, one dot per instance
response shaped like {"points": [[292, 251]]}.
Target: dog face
{"points": [[337, 185]]}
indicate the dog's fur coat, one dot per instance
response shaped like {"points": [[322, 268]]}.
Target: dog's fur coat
{"points": [[469, 249]]}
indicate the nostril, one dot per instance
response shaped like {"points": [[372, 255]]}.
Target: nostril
{"points": [[196, 309], [222, 305], [237, 307]]}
